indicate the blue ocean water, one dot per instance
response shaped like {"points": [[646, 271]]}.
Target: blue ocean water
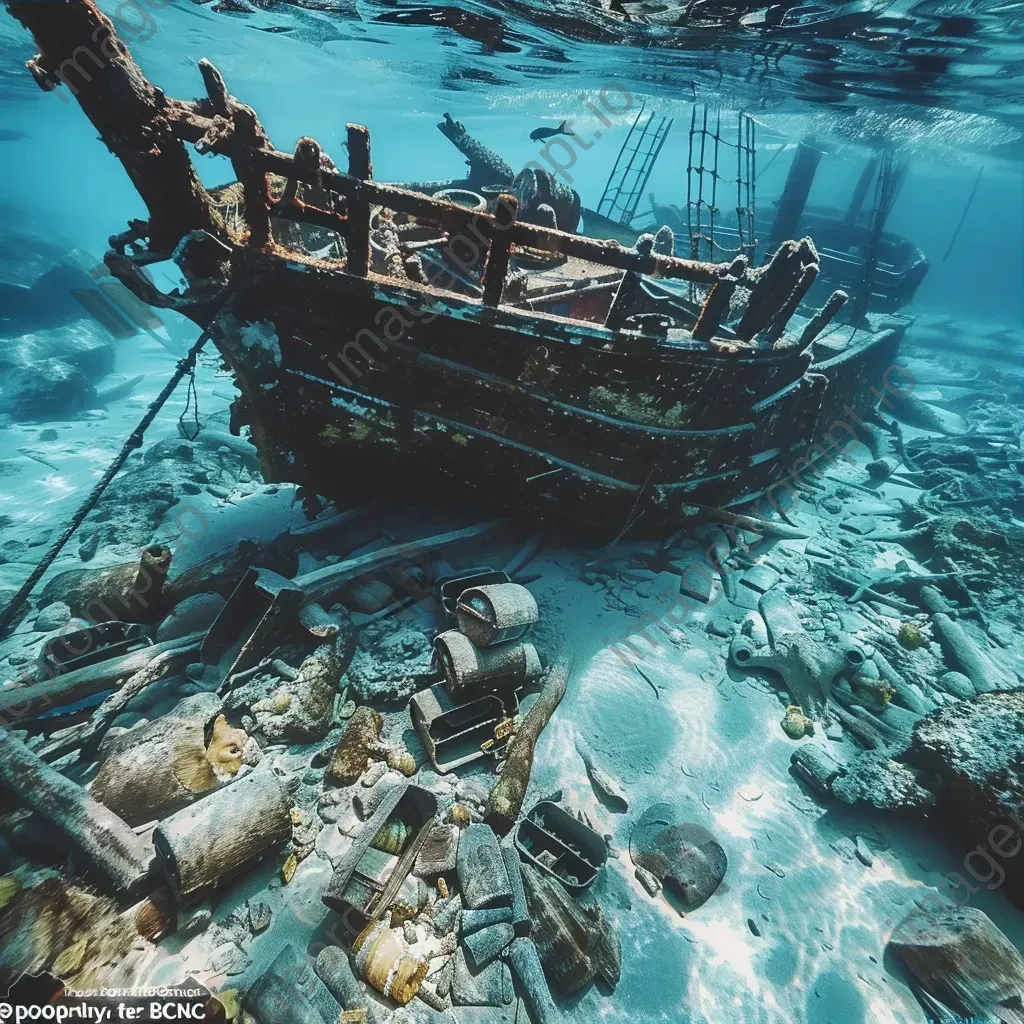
{"points": [[800, 930]]}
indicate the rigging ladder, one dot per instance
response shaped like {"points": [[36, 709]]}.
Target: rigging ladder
{"points": [[633, 167], [702, 197]]}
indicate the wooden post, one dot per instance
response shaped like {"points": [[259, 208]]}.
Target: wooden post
{"points": [[358, 233], [794, 195], [94, 831], [716, 306], [860, 192], [807, 277], [506, 211], [823, 317]]}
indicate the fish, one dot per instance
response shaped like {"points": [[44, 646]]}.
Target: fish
{"points": [[539, 134]]}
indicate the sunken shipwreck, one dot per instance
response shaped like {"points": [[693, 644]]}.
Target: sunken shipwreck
{"points": [[512, 513]]}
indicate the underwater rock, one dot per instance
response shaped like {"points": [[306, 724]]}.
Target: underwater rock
{"points": [[957, 684], [390, 664], [490, 987], [192, 615], [49, 389], [486, 944], [976, 748], [875, 778], [958, 956], [302, 709], [130, 592], [575, 943], [608, 790], [53, 616], [335, 971], [685, 858], [526, 966], [439, 851], [483, 878], [290, 990], [350, 757]]}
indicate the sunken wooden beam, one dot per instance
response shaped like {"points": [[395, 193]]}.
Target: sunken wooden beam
{"points": [[823, 317], [79, 48], [506, 799], [358, 227], [103, 840], [774, 285], [323, 583], [496, 269], [716, 306], [796, 296], [26, 702]]}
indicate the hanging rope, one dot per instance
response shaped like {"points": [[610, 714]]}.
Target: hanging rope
{"points": [[134, 441], [963, 216], [191, 402]]}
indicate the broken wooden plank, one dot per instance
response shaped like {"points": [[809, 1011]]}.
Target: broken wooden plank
{"points": [[322, 583], [26, 702], [95, 832]]}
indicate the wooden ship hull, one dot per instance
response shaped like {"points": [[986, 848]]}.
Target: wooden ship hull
{"points": [[387, 380]]}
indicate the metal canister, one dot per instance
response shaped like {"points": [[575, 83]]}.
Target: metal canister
{"points": [[468, 668], [496, 613]]}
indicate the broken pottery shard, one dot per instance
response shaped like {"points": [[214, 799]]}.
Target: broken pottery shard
{"points": [[961, 958], [439, 851], [576, 943], [490, 987], [484, 946], [482, 875], [335, 971], [448, 915], [474, 920], [387, 962], [683, 857], [361, 733], [526, 966]]}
